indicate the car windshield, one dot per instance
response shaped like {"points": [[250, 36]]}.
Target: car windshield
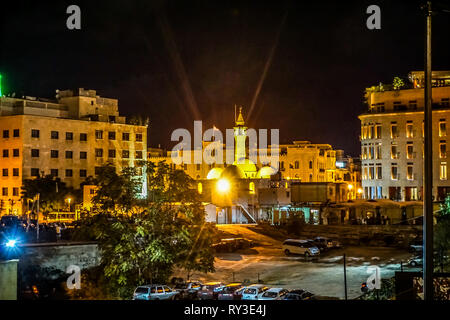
{"points": [[141, 290], [270, 294], [250, 291]]}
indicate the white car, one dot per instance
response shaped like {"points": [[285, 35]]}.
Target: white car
{"points": [[155, 292], [274, 294], [302, 247], [254, 291]]}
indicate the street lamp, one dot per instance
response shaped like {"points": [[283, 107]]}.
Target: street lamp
{"points": [[69, 200], [223, 185]]}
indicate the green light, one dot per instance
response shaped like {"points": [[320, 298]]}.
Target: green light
{"points": [[0, 84]]}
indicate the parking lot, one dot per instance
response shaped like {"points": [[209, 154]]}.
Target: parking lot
{"points": [[323, 276]]}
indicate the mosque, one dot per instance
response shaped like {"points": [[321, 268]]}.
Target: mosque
{"points": [[247, 191]]}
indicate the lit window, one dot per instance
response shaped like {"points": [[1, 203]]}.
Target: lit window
{"points": [[442, 128], [443, 171], [442, 149], [409, 130], [251, 187], [394, 131], [394, 172], [200, 188]]}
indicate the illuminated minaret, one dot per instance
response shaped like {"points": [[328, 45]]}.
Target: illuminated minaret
{"points": [[240, 137]]}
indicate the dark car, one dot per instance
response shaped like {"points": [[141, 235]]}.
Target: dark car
{"points": [[231, 292], [299, 294], [320, 245], [329, 243], [188, 290], [210, 290]]}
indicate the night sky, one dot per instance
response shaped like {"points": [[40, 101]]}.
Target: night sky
{"points": [[179, 61]]}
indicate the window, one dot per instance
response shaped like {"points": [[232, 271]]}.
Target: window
{"points": [[310, 164], [15, 152], [442, 128], [379, 171], [442, 149], [443, 171], [69, 154], [35, 172], [378, 151], [365, 173], [35, 153], [54, 172], [394, 130], [364, 152], [112, 135], [371, 132], [126, 136], [15, 192], [409, 150], [414, 194], [5, 133], [378, 131], [112, 153], [413, 104], [97, 170], [371, 172], [197, 167], [125, 154], [4, 191], [394, 153], [15, 172], [54, 153], [409, 171], [296, 164], [16, 133], [34, 133], [99, 153], [409, 129], [98, 134], [138, 154], [69, 135], [83, 173], [5, 172], [394, 172], [69, 173], [83, 136], [138, 136], [83, 155], [5, 153], [54, 135]]}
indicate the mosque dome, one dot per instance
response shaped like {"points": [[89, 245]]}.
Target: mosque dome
{"points": [[232, 172], [247, 166], [265, 172], [214, 173]]}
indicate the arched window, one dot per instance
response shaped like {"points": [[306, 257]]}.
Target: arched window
{"points": [[200, 188], [251, 187]]}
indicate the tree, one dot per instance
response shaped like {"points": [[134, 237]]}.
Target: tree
{"points": [[442, 228], [398, 83], [52, 192], [144, 247]]}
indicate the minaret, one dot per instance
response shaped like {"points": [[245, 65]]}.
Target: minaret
{"points": [[240, 137]]}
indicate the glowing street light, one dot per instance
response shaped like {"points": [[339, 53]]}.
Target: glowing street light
{"points": [[350, 187], [11, 243], [223, 186]]}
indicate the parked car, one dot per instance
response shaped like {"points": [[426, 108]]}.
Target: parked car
{"points": [[230, 292], [299, 294], [329, 243], [415, 248], [189, 289], [415, 261], [254, 291], [274, 294], [321, 246], [155, 292], [302, 247], [232, 244], [210, 290]]}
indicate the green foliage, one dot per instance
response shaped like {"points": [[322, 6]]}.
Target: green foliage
{"points": [[146, 246], [49, 199], [398, 83], [442, 227]]}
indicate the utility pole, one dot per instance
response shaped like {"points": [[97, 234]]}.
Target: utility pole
{"points": [[345, 278], [428, 166]]}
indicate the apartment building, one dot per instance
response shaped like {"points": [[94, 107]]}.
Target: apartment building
{"points": [[68, 138], [392, 131]]}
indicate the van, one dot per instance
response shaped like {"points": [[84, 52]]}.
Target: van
{"points": [[303, 247]]}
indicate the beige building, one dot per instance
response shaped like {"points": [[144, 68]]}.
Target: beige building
{"points": [[67, 138], [392, 139]]}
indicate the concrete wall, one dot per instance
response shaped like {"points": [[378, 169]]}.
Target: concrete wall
{"points": [[60, 256], [8, 280]]}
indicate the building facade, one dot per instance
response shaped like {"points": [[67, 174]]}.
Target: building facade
{"points": [[392, 131], [67, 138]]}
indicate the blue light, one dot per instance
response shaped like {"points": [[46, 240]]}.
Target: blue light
{"points": [[11, 243]]}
